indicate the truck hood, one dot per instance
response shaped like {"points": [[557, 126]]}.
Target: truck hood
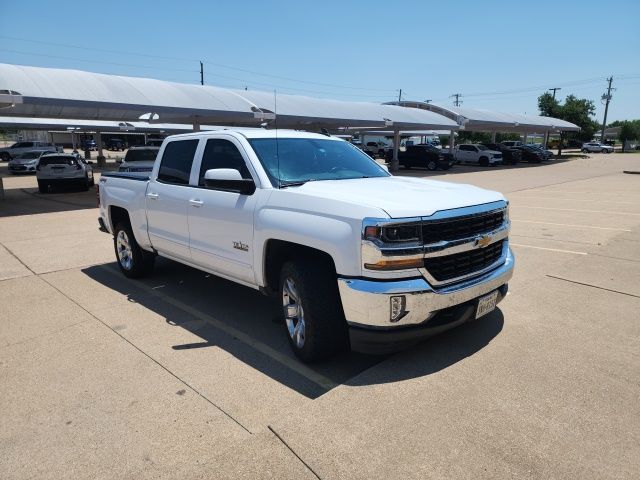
{"points": [[401, 197]]}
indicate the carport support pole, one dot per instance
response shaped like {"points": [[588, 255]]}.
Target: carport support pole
{"points": [[524, 138], [101, 161], [493, 136], [546, 139], [451, 142], [396, 147], [196, 126]]}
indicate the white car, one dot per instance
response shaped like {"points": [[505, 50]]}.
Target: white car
{"points": [[356, 257], [63, 169], [16, 149], [471, 153], [26, 162], [596, 147]]}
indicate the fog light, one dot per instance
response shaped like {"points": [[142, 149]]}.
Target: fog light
{"points": [[398, 305]]}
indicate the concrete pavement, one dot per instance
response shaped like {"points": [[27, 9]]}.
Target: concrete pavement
{"points": [[184, 374]]}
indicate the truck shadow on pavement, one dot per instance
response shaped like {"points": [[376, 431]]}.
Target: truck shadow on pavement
{"points": [[248, 326], [28, 201]]}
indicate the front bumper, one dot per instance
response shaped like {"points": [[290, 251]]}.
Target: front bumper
{"points": [[366, 303], [381, 342]]}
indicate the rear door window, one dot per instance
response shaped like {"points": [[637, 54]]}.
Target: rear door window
{"points": [[177, 159]]}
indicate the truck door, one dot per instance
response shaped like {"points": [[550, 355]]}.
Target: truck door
{"points": [[168, 200], [464, 155], [221, 222]]}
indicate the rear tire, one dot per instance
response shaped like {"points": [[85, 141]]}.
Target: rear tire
{"points": [[42, 186], [314, 318], [134, 262]]}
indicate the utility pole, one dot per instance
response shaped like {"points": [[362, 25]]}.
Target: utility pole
{"points": [[554, 91], [456, 97], [201, 73], [607, 97], [400, 96], [428, 101]]}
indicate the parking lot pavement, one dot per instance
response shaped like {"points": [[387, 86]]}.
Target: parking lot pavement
{"points": [[184, 374]]}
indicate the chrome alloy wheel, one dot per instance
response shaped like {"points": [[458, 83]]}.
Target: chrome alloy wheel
{"points": [[125, 255], [293, 312]]}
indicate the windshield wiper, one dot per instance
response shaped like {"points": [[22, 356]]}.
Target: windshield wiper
{"points": [[295, 183]]}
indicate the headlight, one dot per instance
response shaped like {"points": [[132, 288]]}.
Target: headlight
{"points": [[392, 247], [394, 235]]}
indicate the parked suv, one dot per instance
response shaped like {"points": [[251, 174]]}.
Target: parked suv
{"points": [[16, 149], [510, 155], [27, 162], [424, 156], [596, 147], [63, 169], [115, 144]]}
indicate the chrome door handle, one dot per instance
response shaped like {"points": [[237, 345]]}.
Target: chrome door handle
{"points": [[196, 203], [152, 196]]}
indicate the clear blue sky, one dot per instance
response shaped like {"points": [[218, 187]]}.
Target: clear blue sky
{"points": [[347, 49]]}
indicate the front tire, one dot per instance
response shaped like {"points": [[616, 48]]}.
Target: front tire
{"points": [[134, 262], [484, 162], [5, 156], [313, 314], [432, 165]]}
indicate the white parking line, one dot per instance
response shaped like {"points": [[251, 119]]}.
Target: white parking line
{"points": [[549, 249], [573, 226], [576, 210]]}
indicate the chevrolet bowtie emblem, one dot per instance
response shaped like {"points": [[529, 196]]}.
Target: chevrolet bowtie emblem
{"points": [[483, 241]]}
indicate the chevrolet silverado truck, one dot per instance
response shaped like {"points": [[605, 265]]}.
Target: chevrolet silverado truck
{"points": [[358, 258]]}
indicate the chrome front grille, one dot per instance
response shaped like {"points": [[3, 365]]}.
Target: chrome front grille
{"points": [[450, 267], [461, 227]]}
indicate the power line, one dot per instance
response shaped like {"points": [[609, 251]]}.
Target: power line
{"points": [[253, 72], [243, 81]]}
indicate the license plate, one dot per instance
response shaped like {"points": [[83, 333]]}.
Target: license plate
{"points": [[486, 304]]}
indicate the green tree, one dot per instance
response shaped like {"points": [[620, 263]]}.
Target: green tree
{"points": [[628, 131], [575, 110]]}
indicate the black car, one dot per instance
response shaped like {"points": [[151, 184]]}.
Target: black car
{"points": [[530, 154], [425, 156], [510, 155], [89, 145], [115, 144]]}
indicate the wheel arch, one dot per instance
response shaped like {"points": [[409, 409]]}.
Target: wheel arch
{"points": [[277, 252]]}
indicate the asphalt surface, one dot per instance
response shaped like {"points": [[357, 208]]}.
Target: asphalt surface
{"points": [[185, 375]]}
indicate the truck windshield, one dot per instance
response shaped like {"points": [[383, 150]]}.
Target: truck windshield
{"points": [[290, 161]]}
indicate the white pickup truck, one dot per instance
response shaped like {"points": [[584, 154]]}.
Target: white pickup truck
{"points": [[357, 257], [474, 153]]}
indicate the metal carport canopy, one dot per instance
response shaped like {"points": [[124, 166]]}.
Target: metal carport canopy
{"points": [[61, 93], [479, 120], [104, 126]]}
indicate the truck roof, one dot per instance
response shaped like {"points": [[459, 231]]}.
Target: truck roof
{"points": [[259, 133]]}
